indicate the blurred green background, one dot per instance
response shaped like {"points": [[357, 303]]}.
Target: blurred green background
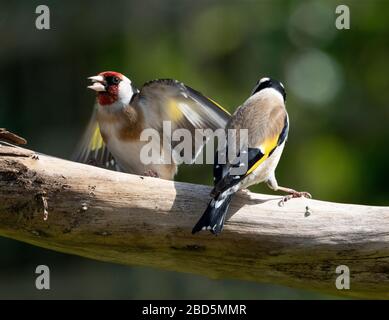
{"points": [[336, 82]]}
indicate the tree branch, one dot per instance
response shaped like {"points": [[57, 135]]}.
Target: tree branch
{"points": [[133, 220]]}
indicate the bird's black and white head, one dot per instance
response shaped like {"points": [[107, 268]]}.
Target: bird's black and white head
{"points": [[268, 85]]}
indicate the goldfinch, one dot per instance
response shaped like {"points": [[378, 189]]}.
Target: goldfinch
{"points": [[122, 112], [264, 116]]}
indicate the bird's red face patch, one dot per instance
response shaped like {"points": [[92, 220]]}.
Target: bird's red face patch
{"points": [[111, 83], [108, 97]]}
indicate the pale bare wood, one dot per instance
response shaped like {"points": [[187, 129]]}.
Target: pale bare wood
{"points": [[135, 220]]}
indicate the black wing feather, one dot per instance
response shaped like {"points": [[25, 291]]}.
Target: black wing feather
{"points": [[224, 180]]}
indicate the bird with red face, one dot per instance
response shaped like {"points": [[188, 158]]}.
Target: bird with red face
{"points": [[122, 113]]}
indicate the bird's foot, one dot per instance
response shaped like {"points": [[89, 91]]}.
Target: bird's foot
{"points": [[300, 194], [294, 194], [151, 173], [244, 191], [92, 162]]}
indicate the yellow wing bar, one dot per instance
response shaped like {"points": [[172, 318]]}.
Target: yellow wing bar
{"points": [[97, 141], [266, 147], [218, 105]]}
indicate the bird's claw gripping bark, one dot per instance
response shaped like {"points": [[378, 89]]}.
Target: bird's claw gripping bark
{"points": [[151, 173], [295, 194], [299, 194]]}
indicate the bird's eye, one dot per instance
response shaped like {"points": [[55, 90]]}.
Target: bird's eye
{"points": [[112, 80]]}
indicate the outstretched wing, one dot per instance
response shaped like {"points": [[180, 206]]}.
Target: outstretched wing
{"points": [[92, 149], [184, 108]]}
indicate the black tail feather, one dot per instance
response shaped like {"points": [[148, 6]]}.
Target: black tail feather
{"points": [[214, 217]]}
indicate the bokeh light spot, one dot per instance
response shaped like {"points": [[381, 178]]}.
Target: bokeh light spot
{"points": [[314, 77]]}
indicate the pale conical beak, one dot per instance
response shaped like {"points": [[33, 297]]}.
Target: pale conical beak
{"points": [[97, 83]]}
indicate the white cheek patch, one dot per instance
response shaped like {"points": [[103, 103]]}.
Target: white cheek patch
{"points": [[125, 91]]}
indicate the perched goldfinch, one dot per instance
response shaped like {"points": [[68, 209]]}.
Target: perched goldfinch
{"points": [[264, 116], [122, 112]]}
